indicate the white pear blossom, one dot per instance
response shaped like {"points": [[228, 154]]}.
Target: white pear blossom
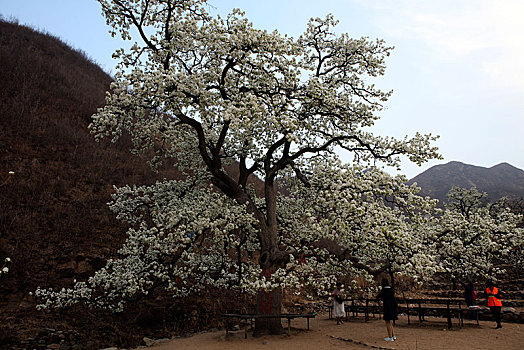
{"points": [[5, 269], [472, 237]]}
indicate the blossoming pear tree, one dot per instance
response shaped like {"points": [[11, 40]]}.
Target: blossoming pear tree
{"points": [[215, 92], [346, 221], [473, 236], [515, 260]]}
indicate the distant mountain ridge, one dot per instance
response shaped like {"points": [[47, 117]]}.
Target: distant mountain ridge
{"points": [[498, 181]]}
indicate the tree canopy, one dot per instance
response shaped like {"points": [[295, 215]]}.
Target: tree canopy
{"points": [[473, 236], [212, 93]]}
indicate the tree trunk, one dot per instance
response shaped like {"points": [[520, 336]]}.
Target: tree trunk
{"points": [[269, 303]]}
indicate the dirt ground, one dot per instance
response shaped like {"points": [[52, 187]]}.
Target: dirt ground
{"points": [[357, 334]]}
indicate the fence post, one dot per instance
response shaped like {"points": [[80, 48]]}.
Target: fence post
{"points": [[419, 313], [448, 314], [407, 307]]}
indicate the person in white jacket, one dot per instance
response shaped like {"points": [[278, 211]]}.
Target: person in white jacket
{"points": [[338, 303]]}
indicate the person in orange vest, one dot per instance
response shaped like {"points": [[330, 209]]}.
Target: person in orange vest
{"points": [[494, 302]]}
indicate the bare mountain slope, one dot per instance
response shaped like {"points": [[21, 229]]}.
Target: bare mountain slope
{"points": [[498, 181]]}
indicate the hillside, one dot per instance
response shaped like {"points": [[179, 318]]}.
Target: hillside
{"points": [[55, 183], [55, 180], [498, 181]]}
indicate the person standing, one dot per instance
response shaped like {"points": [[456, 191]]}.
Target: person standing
{"points": [[494, 302], [470, 296], [389, 305], [469, 292], [338, 303]]}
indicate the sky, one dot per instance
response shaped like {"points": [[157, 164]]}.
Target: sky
{"points": [[457, 69]]}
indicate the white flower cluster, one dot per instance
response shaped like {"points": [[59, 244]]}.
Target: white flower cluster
{"points": [[369, 216], [183, 237], [5, 269], [471, 236]]}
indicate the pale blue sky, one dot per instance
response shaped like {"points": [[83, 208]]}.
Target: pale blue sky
{"points": [[457, 69]]}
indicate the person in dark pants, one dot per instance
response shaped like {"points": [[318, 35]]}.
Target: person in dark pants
{"points": [[494, 302], [389, 305], [470, 296]]}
